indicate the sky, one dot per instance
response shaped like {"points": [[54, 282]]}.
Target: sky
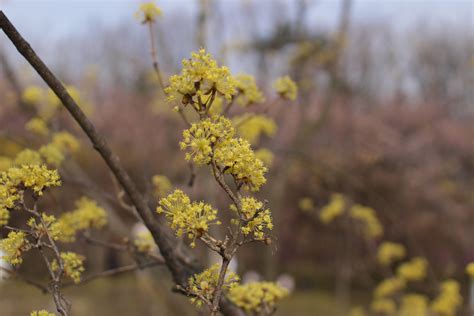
{"points": [[62, 17]]}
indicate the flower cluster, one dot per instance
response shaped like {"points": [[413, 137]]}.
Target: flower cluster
{"points": [[87, 214], [383, 306], [388, 252], [252, 126], [389, 287], [186, 217], [256, 217], [413, 270], [42, 312], [144, 242], [248, 92], [28, 157], [238, 159], [37, 126], [13, 246], [203, 285], [448, 300], [470, 270], [413, 304], [265, 155], [286, 88], [73, 265], [161, 186], [65, 142], [204, 136], [333, 209], [257, 296], [148, 12], [367, 216], [47, 225], [200, 76]]}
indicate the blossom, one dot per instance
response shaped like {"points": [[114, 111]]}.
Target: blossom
{"points": [[413, 305], [38, 126], [252, 126], [42, 312], [248, 92], [13, 246], [148, 12], [413, 270], [448, 300], [200, 139], [286, 88], [4, 216], [389, 252], [199, 76], [186, 217], [256, 217], [28, 157], [32, 95], [367, 216], [333, 209], [383, 306], [265, 155], [237, 158], [65, 142], [470, 269], [255, 297], [52, 154], [389, 286], [204, 284], [144, 242], [161, 185], [73, 265]]}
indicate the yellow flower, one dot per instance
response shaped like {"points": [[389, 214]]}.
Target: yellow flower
{"points": [[255, 297], [38, 126], [73, 265], [28, 157], [161, 185], [449, 299], [413, 305], [266, 156], [42, 312], [286, 88], [148, 12], [470, 269], [248, 92], [144, 242], [389, 252], [333, 209], [367, 216], [34, 177], [252, 126], [52, 154], [255, 223], [13, 246], [383, 306], [204, 284], [186, 217], [65, 142], [4, 216], [32, 95], [413, 270], [389, 287], [199, 76], [306, 204]]}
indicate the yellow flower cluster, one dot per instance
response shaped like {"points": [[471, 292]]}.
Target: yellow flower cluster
{"points": [[204, 284], [50, 226], [4, 216], [248, 92], [372, 226], [37, 126], [32, 95], [186, 217], [161, 186], [28, 157], [286, 88], [199, 76], [333, 209], [52, 154], [265, 155], [16, 179], [203, 136], [383, 306], [65, 142], [87, 214], [255, 223], [389, 287], [252, 126], [413, 305], [13, 246], [388, 252], [448, 300], [470, 270], [255, 297], [42, 312], [413, 270], [144, 242], [73, 265], [148, 12]]}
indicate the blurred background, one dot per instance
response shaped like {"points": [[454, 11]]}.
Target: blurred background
{"points": [[384, 116]]}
